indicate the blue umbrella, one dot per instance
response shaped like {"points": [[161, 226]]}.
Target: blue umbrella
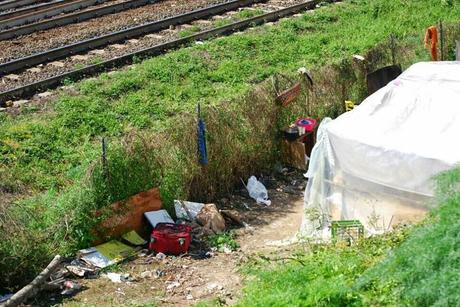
{"points": [[201, 140]]}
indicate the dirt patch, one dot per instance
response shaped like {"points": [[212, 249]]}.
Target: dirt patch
{"points": [[193, 278]]}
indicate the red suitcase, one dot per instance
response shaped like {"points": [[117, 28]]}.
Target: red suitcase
{"points": [[169, 238]]}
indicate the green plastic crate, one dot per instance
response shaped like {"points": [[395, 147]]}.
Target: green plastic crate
{"points": [[348, 231]]}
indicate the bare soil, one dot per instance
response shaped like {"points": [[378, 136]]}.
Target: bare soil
{"points": [[188, 280]]}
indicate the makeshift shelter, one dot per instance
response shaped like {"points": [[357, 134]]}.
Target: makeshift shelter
{"points": [[376, 163]]}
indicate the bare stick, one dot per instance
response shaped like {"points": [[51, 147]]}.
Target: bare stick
{"points": [[31, 289]]}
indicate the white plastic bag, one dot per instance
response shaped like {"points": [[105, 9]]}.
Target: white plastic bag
{"points": [[258, 191]]}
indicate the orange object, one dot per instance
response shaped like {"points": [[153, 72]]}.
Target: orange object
{"points": [[124, 216], [431, 41]]}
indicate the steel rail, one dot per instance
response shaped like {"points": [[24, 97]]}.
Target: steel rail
{"points": [[53, 82], [12, 4], [29, 9], [72, 18], [51, 11], [93, 43]]}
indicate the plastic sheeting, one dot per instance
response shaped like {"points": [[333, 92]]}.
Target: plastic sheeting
{"points": [[376, 163]]}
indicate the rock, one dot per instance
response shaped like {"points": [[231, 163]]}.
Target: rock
{"points": [[19, 103], [189, 297], [12, 77], [133, 41], [2, 110], [210, 218], [57, 64], [79, 57], [154, 36], [44, 94], [117, 46], [34, 70], [97, 52]]}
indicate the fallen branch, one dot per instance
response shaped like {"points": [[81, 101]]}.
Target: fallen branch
{"points": [[282, 258], [31, 289]]}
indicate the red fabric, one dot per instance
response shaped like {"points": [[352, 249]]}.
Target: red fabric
{"points": [[431, 41], [169, 238]]}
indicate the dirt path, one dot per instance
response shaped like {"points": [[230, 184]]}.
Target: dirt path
{"points": [[186, 281]]}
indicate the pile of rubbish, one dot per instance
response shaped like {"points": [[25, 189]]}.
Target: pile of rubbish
{"points": [[122, 236]]}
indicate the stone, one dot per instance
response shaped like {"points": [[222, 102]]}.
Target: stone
{"points": [[117, 46], [154, 36], [97, 52], [12, 77], [34, 70], [19, 103], [57, 64], [133, 41], [79, 57], [209, 217], [2, 110], [44, 94], [203, 22]]}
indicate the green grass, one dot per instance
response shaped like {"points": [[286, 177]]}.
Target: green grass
{"points": [[49, 160], [411, 267], [425, 270]]}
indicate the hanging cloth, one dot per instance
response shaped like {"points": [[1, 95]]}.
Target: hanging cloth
{"points": [[431, 41], [201, 140]]}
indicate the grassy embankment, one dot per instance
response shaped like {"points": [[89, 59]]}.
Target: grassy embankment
{"points": [[49, 164], [412, 267]]}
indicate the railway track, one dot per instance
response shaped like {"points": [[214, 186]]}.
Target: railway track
{"points": [[119, 36], [13, 4], [160, 43], [30, 9], [72, 18], [47, 10]]}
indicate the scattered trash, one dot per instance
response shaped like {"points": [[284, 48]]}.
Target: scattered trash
{"points": [[119, 278], [160, 216], [34, 287], [125, 216], [258, 191], [106, 254], [159, 273], [160, 256], [70, 288], [209, 217], [133, 238], [234, 216], [171, 238], [187, 210], [147, 274], [172, 285], [189, 297], [80, 269]]}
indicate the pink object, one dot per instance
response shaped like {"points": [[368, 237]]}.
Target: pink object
{"points": [[308, 124]]}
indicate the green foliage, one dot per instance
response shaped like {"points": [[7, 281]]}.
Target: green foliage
{"points": [[418, 266], [424, 270], [321, 276], [189, 31], [51, 158], [223, 241]]}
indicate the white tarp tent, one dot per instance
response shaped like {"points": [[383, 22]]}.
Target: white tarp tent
{"points": [[376, 162]]}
